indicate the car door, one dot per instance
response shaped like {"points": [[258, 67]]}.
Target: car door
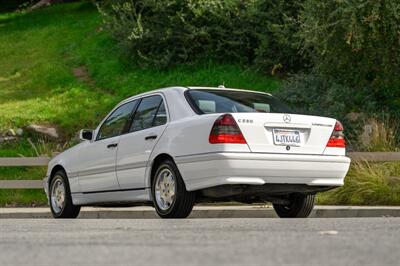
{"points": [[96, 167], [147, 126]]}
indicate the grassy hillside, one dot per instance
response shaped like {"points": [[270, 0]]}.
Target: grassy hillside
{"points": [[57, 65]]}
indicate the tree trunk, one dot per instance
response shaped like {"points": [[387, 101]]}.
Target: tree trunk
{"points": [[43, 3]]}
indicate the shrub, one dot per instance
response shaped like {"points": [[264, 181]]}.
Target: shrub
{"points": [[354, 47], [357, 44], [170, 32], [316, 95], [276, 25], [165, 33], [355, 41], [380, 135], [11, 5], [367, 184]]}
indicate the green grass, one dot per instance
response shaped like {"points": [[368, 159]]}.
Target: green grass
{"points": [[24, 149], [16, 149], [39, 50], [22, 173], [367, 184], [19, 198]]}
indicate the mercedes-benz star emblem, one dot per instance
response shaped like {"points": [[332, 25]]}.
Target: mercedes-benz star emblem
{"points": [[287, 118]]}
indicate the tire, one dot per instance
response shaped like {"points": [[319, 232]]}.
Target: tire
{"points": [[170, 197], [300, 206], [60, 200]]}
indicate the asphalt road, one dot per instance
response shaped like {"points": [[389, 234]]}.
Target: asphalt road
{"points": [[347, 241]]}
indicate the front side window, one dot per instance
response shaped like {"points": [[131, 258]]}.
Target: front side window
{"points": [[116, 122], [230, 101], [150, 113]]}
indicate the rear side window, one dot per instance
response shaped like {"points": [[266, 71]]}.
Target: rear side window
{"points": [[228, 101], [150, 113], [161, 116]]}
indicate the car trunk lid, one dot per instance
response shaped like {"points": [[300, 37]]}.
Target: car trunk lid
{"points": [[285, 133]]}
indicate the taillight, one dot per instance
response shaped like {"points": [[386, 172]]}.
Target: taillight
{"points": [[226, 130], [337, 138]]}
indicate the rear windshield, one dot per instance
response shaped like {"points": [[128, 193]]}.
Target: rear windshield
{"points": [[227, 101]]}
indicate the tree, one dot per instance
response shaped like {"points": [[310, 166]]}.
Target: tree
{"points": [[44, 3], [354, 41]]}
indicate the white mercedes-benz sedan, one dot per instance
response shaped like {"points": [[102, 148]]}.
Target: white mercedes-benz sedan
{"points": [[174, 147]]}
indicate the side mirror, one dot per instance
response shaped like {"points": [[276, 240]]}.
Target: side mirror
{"points": [[86, 134]]}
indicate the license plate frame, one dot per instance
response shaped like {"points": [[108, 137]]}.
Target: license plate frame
{"points": [[287, 137]]}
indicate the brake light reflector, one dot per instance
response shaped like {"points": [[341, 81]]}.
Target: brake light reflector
{"points": [[226, 130], [337, 138]]}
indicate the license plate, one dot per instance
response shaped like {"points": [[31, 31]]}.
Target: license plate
{"points": [[286, 137]]}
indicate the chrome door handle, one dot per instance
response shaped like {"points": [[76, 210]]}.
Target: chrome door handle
{"points": [[113, 145], [150, 137]]}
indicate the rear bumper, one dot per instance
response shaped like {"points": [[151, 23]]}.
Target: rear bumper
{"points": [[225, 168]]}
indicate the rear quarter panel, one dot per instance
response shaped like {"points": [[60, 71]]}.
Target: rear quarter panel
{"points": [[189, 136]]}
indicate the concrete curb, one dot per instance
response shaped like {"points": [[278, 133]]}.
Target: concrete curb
{"points": [[205, 212]]}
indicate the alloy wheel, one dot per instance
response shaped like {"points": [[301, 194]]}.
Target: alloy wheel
{"points": [[165, 188], [57, 195]]}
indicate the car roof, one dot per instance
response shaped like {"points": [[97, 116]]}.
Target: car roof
{"points": [[226, 89], [154, 91], [183, 88]]}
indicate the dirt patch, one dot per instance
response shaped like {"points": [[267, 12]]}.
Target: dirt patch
{"points": [[82, 74]]}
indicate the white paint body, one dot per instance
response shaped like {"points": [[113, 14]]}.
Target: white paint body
{"points": [[98, 174]]}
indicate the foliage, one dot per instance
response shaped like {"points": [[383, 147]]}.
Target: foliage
{"points": [[367, 184], [383, 135], [36, 82], [9, 5], [355, 44], [25, 197], [165, 33], [21, 197], [25, 148], [275, 25], [316, 95], [354, 47], [171, 32], [40, 51], [354, 41]]}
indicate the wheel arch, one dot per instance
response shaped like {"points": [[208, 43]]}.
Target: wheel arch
{"points": [[156, 162], [54, 170]]}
